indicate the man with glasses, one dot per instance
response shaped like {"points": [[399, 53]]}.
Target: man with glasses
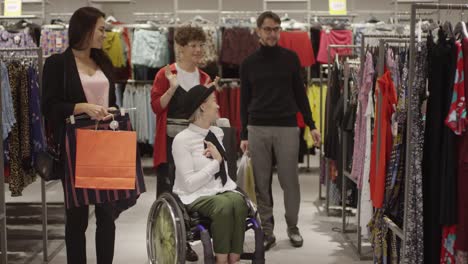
{"points": [[272, 92]]}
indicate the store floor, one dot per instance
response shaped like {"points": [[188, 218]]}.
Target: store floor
{"points": [[322, 243]]}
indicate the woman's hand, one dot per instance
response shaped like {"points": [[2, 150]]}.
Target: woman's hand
{"points": [[215, 83], [96, 112], [212, 151], [172, 78]]}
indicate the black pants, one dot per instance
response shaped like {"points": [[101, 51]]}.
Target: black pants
{"points": [[165, 178], [75, 237], [165, 172]]}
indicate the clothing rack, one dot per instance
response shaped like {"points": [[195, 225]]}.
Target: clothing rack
{"points": [[356, 245], [3, 229], [381, 64], [329, 66], [414, 8], [366, 36], [397, 231], [344, 173], [44, 186], [132, 81], [383, 39], [322, 130]]}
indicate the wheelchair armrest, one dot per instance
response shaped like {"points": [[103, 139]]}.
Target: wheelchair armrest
{"points": [[187, 216], [197, 219]]}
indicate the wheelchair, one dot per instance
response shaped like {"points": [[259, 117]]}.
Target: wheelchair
{"points": [[170, 226]]}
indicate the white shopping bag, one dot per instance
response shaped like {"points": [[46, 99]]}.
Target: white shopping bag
{"points": [[245, 178]]}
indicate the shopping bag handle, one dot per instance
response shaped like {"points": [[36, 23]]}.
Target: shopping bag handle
{"points": [[114, 125]]}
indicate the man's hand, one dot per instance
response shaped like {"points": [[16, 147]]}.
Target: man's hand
{"points": [[317, 137], [244, 146]]}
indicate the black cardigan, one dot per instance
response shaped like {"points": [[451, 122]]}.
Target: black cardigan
{"points": [[62, 89]]}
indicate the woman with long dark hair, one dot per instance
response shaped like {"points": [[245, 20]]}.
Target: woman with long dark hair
{"points": [[79, 81]]}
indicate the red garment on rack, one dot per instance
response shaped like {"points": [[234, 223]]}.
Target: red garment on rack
{"points": [[333, 170], [238, 44], [334, 37], [6, 173], [385, 91], [234, 99], [299, 42], [462, 229], [222, 97], [125, 73], [228, 100], [447, 251], [456, 118]]}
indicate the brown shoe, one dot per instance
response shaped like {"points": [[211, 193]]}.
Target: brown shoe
{"points": [[190, 254]]}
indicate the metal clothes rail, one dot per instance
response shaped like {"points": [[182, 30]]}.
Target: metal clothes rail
{"points": [[329, 66], [343, 173], [410, 118], [355, 244], [322, 131], [397, 231], [44, 186], [383, 39]]}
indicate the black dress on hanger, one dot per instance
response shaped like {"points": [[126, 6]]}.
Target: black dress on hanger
{"points": [[439, 161]]}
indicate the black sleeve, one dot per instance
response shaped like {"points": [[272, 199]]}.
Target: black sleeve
{"points": [[112, 96], [245, 97], [54, 106], [300, 94]]}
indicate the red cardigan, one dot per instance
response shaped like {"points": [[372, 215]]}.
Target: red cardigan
{"points": [[160, 86]]}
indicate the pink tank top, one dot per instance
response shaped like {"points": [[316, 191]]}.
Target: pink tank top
{"points": [[96, 88]]}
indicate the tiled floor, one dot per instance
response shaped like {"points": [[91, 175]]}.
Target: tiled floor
{"points": [[322, 244]]}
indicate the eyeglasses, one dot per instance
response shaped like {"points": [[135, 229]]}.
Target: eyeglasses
{"points": [[270, 29]]}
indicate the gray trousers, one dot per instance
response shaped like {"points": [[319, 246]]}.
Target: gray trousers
{"points": [[284, 141]]}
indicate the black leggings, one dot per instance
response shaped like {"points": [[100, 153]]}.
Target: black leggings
{"points": [[75, 237], [165, 172]]}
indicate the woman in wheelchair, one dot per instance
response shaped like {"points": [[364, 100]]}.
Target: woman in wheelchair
{"points": [[201, 177]]}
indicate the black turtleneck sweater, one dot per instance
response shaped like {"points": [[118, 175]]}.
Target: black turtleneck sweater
{"points": [[272, 90]]}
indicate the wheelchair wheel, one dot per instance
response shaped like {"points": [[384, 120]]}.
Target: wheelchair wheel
{"points": [[166, 234]]}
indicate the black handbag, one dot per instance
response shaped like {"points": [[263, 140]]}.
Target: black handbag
{"points": [[48, 163]]}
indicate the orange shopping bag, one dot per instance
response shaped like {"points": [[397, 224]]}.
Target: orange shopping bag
{"points": [[105, 159]]}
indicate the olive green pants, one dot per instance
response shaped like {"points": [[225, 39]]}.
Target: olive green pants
{"points": [[228, 213]]}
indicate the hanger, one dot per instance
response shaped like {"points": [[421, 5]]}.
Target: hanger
{"points": [[111, 19], [200, 19], [285, 18], [372, 19], [448, 30], [460, 28]]}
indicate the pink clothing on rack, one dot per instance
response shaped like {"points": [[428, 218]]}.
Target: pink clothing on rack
{"points": [[334, 37], [362, 128], [96, 88]]}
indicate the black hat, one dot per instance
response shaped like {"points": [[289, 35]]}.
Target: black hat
{"points": [[195, 97]]}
